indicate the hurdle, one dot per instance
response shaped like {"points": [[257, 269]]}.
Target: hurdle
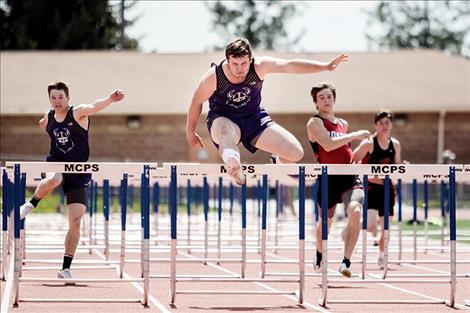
{"points": [[215, 170], [18, 196], [409, 171]]}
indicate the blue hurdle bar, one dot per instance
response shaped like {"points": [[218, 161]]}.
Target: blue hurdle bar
{"points": [[365, 183], [5, 213], [324, 234], [443, 213], [400, 226], [123, 207], [219, 217], [453, 235], [106, 217], [17, 204], [206, 215], [173, 215], [264, 197], [156, 207], [301, 233], [426, 208], [386, 230]]}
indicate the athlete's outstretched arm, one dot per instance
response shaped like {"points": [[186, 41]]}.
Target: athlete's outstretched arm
{"points": [[317, 133], [93, 108], [298, 66], [362, 149], [204, 90]]}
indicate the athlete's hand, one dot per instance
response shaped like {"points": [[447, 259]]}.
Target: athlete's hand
{"points": [[343, 57], [117, 95], [194, 140], [361, 134]]}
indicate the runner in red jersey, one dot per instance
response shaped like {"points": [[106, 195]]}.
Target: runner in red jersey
{"points": [[330, 140]]}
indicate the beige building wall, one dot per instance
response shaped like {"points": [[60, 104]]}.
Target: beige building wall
{"points": [[162, 137]]}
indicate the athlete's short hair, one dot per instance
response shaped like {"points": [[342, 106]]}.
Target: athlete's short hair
{"points": [[317, 88], [238, 48], [383, 113], [58, 85]]}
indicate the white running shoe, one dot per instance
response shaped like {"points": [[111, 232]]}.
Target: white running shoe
{"points": [[344, 270], [234, 169], [65, 274], [25, 209], [317, 268]]}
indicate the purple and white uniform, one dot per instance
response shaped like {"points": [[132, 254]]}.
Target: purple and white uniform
{"points": [[240, 103]]}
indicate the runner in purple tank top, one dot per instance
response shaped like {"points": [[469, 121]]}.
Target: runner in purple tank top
{"points": [[67, 127], [233, 88]]}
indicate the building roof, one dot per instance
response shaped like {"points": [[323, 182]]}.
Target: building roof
{"points": [[402, 80]]}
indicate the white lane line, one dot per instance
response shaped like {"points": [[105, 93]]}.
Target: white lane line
{"points": [[152, 299], [405, 290], [309, 305], [9, 284], [416, 293]]}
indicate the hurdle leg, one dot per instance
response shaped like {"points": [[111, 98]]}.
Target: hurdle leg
{"points": [[173, 272], [415, 241], [146, 272], [301, 270], [23, 245], [4, 253], [400, 241], [243, 204], [263, 253], [22, 242], [106, 239], [17, 271], [219, 237], [188, 234], [122, 254], [324, 280], [155, 215], [364, 253], [206, 243], [276, 236], [386, 242], [243, 253]]}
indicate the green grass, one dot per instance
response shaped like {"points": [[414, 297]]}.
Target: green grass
{"points": [[51, 204], [436, 225]]}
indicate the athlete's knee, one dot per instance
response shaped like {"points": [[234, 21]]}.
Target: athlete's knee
{"points": [[53, 181], [372, 221], [74, 223], [354, 213], [295, 153], [224, 131]]}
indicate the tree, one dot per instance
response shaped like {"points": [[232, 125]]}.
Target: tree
{"points": [[261, 22], [124, 42], [442, 25], [58, 24]]}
